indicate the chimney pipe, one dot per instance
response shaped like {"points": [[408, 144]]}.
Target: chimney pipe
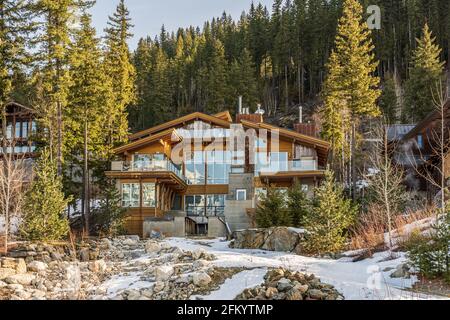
{"points": [[301, 114], [240, 104]]}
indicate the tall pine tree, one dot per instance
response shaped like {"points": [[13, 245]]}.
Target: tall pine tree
{"points": [[425, 75], [120, 71]]}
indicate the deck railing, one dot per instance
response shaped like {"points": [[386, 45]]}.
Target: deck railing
{"points": [[148, 166]]}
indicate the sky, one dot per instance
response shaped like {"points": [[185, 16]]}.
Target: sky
{"points": [[149, 15]]}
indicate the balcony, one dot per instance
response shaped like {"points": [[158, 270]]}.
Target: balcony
{"points": [[152, 166], [299, 165]]}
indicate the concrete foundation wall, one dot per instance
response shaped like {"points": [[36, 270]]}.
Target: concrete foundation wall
{"points": [[216, 228], [168, 228], [236, 214]]}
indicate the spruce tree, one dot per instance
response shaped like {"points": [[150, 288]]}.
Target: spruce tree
{"points": [[243, 81], [388, 100], [331, 216], [56, 28], [86, 113], [45, 203], [120, 71], [350, 84], [298, 204], [272, 210], [425, 75]]}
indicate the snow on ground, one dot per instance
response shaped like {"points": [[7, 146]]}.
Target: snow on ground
{"points": [[234, 286], [365, 280]]}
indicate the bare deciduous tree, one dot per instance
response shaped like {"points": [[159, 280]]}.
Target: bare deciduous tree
{"points": [[386, 179], [432, 166], [12, 179]]}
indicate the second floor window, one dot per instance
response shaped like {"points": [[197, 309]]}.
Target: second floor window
{"points": [[195, 167], [420, 141], [218, 167]]}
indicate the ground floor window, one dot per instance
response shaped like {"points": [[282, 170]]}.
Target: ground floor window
{"points": [[205, 205], [241, 194], [149, 195], [130, 195]]}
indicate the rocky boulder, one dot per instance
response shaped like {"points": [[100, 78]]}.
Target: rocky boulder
{"points": [[283, 284], [272, 239]]}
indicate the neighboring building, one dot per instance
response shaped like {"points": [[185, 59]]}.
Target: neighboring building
{"points": [[20, 126], [209, 190], [416, 149]]}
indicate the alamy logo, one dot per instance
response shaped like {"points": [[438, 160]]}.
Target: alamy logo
{"points": [[374, 20]]}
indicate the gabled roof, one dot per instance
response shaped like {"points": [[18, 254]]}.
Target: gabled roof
{"points": [[217, 120], [166, 135], [16, 104]]}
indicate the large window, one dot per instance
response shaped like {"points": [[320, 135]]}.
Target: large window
{"points": [[218, 166], [195, 167], [215, 205], [195, 205], [130, 195], [209, 205], [149, 195]]}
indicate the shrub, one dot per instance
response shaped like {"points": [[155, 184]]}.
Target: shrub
{"points": [[109, 217], [45, 204], [332, 214], [429, 254], [298, 205], [272, 210]]}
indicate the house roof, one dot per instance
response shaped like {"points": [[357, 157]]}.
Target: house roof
{"points": [[217, 120], [166, 135], [13, 103], [398, 131], [428, 121]]}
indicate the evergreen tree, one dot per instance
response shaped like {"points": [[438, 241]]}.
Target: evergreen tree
{"points": [[272, 210], [108, 217], [331, 216], [298, 204], [86, 113], [388, 100], [425, 75], [56, 28], [45, 204], [350, 75], [243, 80], [121, 73]]}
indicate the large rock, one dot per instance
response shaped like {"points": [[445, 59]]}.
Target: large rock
{"points": [[249, 239], [163, 273], [273, 239], [281, 239], [12, 263], [201, 279], [6, 272], [23, 279], [37, 266], [152, 247]]}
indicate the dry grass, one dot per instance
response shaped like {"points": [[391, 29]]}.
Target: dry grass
{"points": [[371, 227]]}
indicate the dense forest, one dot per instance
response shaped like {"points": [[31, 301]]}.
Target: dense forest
{"points": [[275, 56]]}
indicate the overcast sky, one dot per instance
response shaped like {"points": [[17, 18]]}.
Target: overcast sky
{"points": [[149, 15]]}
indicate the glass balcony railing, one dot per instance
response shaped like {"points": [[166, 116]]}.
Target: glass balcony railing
{"points": [[303, 165], [149, 166]]}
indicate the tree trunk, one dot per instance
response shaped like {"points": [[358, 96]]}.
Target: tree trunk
{"points": [[86, 202], [353, 162], [286, 88]]}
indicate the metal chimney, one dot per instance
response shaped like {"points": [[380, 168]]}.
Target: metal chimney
{"points": [[300, 114], [240, 104]]}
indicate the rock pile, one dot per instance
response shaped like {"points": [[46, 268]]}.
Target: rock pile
{"points": [[271, 239], [282, 284]]}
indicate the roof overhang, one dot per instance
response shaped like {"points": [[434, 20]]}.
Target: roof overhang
{"points": [[222, 120], [170, 136]]}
